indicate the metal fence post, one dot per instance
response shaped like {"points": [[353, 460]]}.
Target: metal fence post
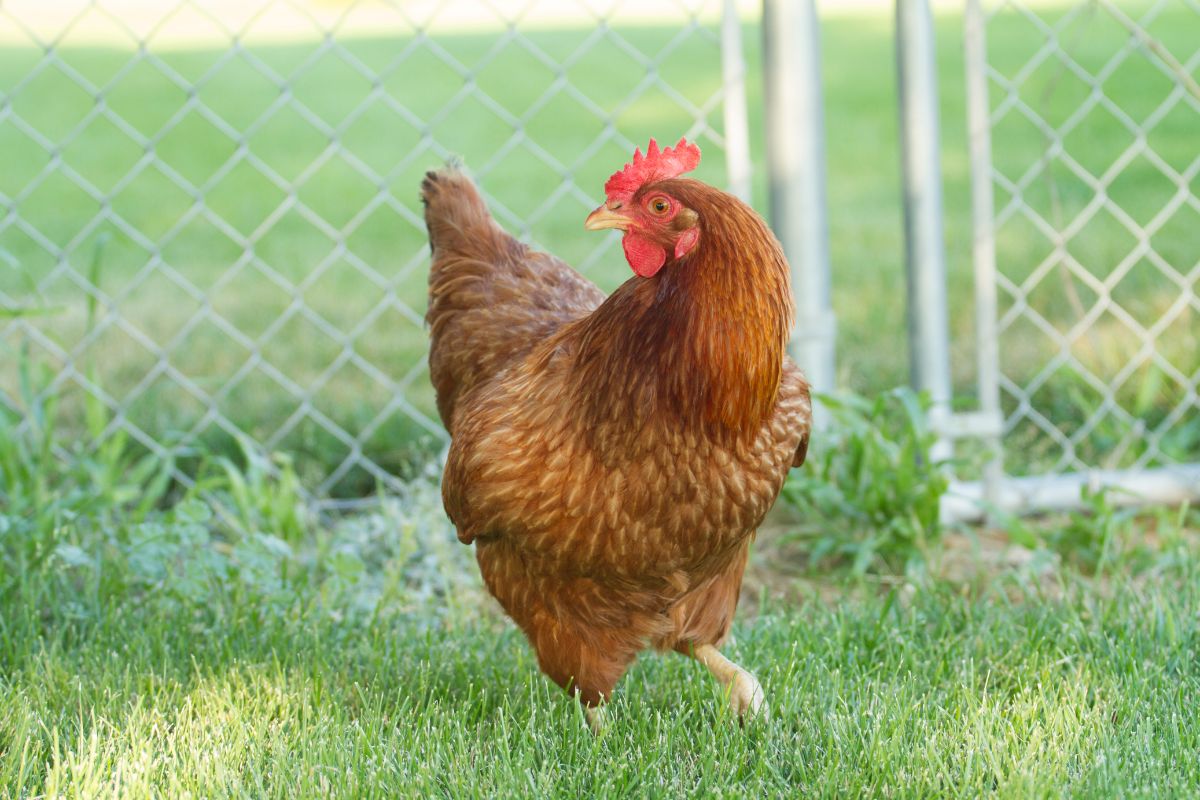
{"points": [[987, 352], [928, 327], [736, 115], [795, 128]]}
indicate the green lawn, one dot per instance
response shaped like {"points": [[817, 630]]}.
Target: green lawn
{"points": [[933, 695], [225, 643], [144, 658], [273, 255]]}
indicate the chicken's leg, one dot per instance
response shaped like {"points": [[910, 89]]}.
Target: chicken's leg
{"points": [[745, 692]]}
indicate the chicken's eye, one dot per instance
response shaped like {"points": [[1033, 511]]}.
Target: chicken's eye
{"points": [[659, 205]]}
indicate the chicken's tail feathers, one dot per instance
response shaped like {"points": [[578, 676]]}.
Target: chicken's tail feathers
{"points": [[457, 218], [454, 167], [471, 253]]}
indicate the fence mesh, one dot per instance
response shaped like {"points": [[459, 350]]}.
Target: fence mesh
{"points": [[210, 227], [1095, 128]]}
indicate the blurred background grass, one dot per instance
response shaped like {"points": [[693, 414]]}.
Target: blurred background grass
{"points": [[294, 260]]}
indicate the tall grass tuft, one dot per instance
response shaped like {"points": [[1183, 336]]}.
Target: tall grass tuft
{"points": [[870, 494]]}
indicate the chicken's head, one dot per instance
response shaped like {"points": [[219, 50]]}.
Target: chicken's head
{"points": [[657, 225]]}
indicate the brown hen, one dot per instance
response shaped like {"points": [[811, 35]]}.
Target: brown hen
{"points": [[612, 457]]}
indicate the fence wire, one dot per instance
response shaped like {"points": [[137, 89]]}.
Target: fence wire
{"points": [[1093, 241], [210, 227], [210, 236]]}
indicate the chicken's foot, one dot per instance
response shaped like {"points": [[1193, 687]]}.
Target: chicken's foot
{"points": [[596, 718], [745, 692]]}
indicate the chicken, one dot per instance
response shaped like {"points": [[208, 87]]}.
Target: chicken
{"points": [[611, 458]]}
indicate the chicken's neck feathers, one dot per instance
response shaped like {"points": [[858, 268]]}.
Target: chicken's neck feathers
{"points": [[700, 344]]}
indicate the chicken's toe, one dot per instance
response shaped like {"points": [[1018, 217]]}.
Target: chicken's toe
{"points": [[746, 696], [596, 718], [744, 691]]}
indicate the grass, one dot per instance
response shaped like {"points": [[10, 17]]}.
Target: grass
{"points": [[174, 653], [936, 695], [273, 254], [224, 642]]}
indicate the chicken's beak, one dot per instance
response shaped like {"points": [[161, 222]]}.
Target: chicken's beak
{"points": [[603, 218]]}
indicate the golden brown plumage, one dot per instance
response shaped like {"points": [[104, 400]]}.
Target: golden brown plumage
{"points": [[612, 457]]}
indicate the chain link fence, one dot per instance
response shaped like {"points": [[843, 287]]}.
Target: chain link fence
{"points": [[210, 236], [1086, 152], [210, 231]]}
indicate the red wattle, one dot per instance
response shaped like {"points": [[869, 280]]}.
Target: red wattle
{"points": [[645, 256]]}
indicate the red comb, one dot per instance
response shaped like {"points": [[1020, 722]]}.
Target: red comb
{"points": [[656, 165]]}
